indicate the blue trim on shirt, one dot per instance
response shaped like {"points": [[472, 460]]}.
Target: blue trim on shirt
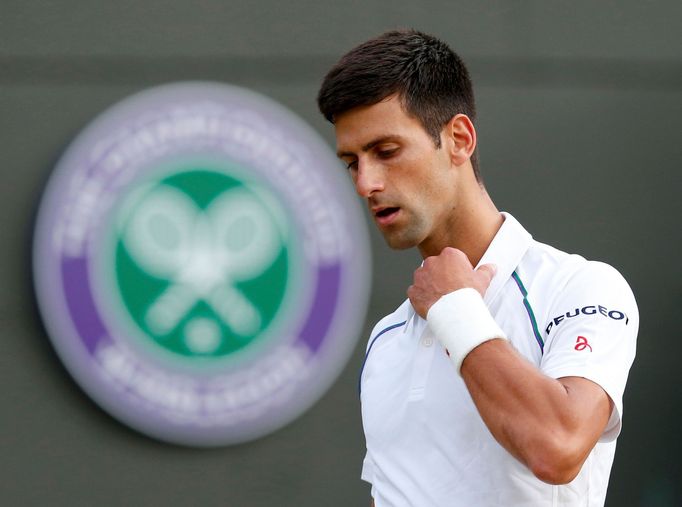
{"points": [[529, 310], [369, 349]]}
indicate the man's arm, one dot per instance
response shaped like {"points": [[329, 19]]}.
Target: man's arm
{"points": [[549, 425]]}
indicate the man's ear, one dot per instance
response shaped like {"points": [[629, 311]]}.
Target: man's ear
{"points": [[460, 138]]}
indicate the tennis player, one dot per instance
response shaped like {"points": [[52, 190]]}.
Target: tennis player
{"points": [[499, 381]]}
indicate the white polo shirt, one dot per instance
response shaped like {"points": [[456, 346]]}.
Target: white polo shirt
{"points": [[427, 446]]}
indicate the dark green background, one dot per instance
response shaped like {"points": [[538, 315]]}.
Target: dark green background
{"points": [[579, 129]]}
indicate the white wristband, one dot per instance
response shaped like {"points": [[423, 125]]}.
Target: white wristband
{"points": [[461, 322]]}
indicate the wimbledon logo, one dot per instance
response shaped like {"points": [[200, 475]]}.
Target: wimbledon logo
{"points": [[201, 264]]}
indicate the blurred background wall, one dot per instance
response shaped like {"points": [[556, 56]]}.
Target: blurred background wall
{"points": [[579, 127]]}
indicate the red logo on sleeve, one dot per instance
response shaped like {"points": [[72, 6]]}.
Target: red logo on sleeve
{"points": [[582, 344]]}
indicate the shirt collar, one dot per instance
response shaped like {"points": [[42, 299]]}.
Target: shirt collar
{"points": [[506, 250]]}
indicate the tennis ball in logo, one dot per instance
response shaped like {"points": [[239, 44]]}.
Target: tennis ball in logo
{"points": [[202, 262]]}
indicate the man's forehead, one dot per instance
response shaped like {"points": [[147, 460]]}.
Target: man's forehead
{"points": [[362, 125], [391, 105]]}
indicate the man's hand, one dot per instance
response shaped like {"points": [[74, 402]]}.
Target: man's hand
{"points": [[445, 273]]}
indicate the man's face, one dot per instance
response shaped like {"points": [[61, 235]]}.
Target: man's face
{"points": [[409, 184]]}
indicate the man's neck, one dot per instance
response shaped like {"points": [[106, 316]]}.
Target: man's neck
{"points": [[471, 227]]}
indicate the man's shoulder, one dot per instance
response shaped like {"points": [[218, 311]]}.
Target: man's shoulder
{"points": [[544, 255], [560, 268], [556, 280], [535, 261], [393, 320]]}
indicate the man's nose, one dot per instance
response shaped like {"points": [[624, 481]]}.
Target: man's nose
{"points": [[368, 179]]}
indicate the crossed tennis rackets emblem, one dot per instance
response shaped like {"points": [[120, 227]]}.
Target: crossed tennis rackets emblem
{"points": [[203, 253]]}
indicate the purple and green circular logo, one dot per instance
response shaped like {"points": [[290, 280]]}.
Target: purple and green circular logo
{"points": [[201, 263]]}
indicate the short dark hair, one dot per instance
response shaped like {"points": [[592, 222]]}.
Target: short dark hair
{"points": [[429, 77]]}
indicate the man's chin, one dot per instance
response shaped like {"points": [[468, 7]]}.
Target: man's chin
{"points": [[397, 242]]}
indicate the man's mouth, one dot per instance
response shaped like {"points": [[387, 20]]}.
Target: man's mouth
{"points": [[385, 216]]}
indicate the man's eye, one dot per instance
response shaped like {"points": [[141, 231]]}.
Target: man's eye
{"points": [[352, 165], [387, 153]]}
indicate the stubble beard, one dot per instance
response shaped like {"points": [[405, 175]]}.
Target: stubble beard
{"points": [[404, 236]]}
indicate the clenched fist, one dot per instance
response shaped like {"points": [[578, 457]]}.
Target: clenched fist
{"points": [[445, 273]]}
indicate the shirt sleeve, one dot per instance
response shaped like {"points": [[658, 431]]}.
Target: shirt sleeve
{"points": [[591, 332]]}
